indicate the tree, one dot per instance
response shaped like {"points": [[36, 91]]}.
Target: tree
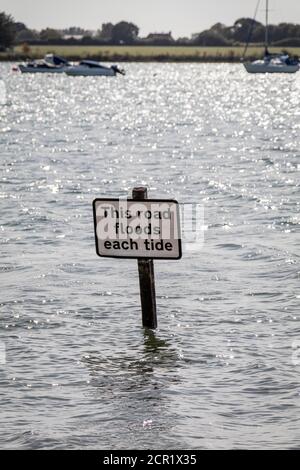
{"points": [[210, 38], [7, 31], [26, 35], [248, 30], [222, 30], [18, 26], [258, 34], [243, 26], [50, 34], [106, 31], [124, 32], [283, 31], [74, 31]]}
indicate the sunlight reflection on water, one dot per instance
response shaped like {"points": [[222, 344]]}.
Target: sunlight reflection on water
{"points": [[80, 372]]}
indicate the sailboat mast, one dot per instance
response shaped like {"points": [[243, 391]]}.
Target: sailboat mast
{"points": [[267, 27]]}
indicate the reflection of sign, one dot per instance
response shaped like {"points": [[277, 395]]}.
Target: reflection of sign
{"points": [[127, 228]]}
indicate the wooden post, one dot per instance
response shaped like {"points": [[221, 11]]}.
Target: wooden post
{"points": [[146, 276]]}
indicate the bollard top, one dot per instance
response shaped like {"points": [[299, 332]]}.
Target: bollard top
{"points": [[139, 193]]}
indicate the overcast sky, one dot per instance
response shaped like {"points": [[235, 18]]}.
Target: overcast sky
{"points": [[182, 17]]}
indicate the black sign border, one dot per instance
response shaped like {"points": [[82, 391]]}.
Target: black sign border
{"points": [[135, 200]]}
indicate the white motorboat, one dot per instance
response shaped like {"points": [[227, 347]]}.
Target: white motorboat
{"points": [[89, 68], [50, 64], [271, 63]]}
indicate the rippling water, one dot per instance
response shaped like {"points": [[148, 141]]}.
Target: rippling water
{"points": [[221, 371]]}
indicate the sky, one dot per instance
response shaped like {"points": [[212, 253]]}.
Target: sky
{"points": [[182, 17]]}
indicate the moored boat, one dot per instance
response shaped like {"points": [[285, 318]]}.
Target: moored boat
{"points": [[89, 68], [50, 64], [271, 63]]}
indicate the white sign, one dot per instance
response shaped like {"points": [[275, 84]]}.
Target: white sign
{"points": [[127, 228]]}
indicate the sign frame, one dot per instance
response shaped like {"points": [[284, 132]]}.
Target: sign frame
{"points": [[173, 201]]}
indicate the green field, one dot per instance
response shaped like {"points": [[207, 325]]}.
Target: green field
{"points": [[144, 53]]}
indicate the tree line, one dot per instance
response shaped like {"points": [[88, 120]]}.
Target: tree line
{"points": [[127, 33]]}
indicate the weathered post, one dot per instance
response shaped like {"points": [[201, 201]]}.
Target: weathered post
{"points": [[146, 277]]}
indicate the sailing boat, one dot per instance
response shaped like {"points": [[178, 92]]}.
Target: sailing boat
{"points": [[272, 63]]}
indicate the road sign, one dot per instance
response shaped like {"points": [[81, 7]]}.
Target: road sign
{"points": [[129, 228]]}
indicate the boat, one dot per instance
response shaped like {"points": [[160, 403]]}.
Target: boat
{"points": [[271, 63], [89, 68], [49, 64]]}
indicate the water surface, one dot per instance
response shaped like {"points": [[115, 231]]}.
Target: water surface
{"points": [[80, 371]]}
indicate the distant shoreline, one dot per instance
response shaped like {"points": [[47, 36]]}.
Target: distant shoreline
{"points": [[142, 53]]}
